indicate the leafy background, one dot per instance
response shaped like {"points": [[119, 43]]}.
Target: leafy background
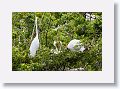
{"points": [[89, 32]]}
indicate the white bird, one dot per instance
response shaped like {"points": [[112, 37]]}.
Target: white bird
{"points": [[58, 47], [75, 45], [35, 43], [55, 51]]}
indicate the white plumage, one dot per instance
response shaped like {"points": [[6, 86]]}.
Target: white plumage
{"points": [[75, 45], [35, 43], [58, 47], [55, 51], [82, 48], [58, 44]]}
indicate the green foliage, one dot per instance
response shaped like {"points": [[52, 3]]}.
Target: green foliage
{"points": [[73, 25]]}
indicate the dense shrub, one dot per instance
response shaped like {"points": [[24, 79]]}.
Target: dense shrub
{"points": [[73, 26]]}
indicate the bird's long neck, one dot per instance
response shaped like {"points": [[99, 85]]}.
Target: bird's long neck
{"points": [[36, 27], [56, 48]]}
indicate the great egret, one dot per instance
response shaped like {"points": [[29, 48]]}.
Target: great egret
{"points": [[35, 43], [75, 45]]}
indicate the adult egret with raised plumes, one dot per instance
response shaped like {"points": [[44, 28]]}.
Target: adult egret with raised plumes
{"points": [[35, 43]]}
